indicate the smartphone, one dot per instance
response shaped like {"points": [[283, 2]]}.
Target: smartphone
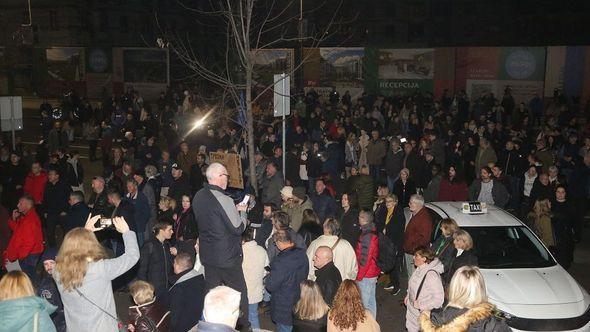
{"points": [[245, 200], [106, 222], [403, 140]]}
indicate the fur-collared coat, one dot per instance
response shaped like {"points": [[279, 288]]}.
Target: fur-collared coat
{"points": [[450, 319]]}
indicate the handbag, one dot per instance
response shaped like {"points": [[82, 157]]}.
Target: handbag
{"points": [[120, 326]]}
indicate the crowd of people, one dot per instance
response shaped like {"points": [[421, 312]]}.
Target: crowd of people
{"points": [[311, 242]]}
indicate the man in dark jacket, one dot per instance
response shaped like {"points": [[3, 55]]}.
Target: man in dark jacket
{"points": [[287, 271], [77, 213], [55, 203], [263, 228], [391, 221], [282, 222], [98, 200], [323, 204], [122, 208], [221, 223], [155, 260], [327, 274], [273, 183], [185, 298], [417, 166], [393, 162], [180, 185], [141, 207], [47, 289]]}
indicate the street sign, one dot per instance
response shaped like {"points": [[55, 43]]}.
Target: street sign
{"points": [[282, 95]]}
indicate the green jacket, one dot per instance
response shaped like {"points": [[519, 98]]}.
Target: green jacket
{"points": [[296, 212], [364, 188], [18, 315]]}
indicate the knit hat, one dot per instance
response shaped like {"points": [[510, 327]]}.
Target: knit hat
{"points": [[287, 191], [299, 192], [49, 254]]}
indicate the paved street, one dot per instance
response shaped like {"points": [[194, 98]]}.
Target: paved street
{"points": [[391, 313]]}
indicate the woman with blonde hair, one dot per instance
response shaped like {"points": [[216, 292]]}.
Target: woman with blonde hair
{"points": [[310, 312], [404, 187], [540, 221], [348, 313], [84, 272], [166, 206], [443, 246], [20, 309], [147, 312], [464, 255], [468, 308]]}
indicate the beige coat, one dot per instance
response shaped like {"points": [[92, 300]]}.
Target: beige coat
{"points": [[369, 325], [255, 259], [344, 256], [295, 211]]}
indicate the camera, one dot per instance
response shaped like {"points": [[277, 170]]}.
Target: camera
{"points": [[106, 222]]}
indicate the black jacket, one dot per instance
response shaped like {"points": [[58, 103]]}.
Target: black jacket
{"points": [[445, 251], [197, 179], [287, 271], [329, 279], [396, 226], [72, 178], [481, 318], [394, 162], [220, 241], [179, 187], [263, 232], [76, 216], [100, 204], [310, 231], [155, 264], [467, 257], [350, 230], [127, 211], [47, 289], [185, 301], [55, 197], [186, 226], [303, 325], [404, 191]]}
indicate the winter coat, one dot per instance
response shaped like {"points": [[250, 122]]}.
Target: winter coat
{"points": [[35, 186], [20, 315], [394, 230], [432, 294], [394, 162], [287, 271], [47, 289], [328, 279], [404, 191], [100, 204], [96, 286], [155, 264], [445, 251], [272, 250], [220, 234], [543, 228], [452, 191], [304, 325], [185, 300], [350, 230], [127, 211], [499, 192], [368, 325], [26, 239], [295, 211], [75, 173], [483, 157], [467, 257], [255, 260], [376, 150], [480, 318], [185, 161], [196, 178], [367, 254], [365, 188], [56, 197], [344, 256], [179, 187], [418, 231], [76, 216], [324, 205], [185, 228], [141, 210], [271, 191], [563, 216], [153, 311], [438, 150]]}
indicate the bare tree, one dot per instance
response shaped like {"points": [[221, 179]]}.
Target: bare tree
{"points": [[249, 26]]}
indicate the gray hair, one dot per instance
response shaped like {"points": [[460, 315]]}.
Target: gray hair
{"points": [[332, 225], [221, 304], [214, 170], [416, 198], [367, 215], [150, 170], [77, 195]]}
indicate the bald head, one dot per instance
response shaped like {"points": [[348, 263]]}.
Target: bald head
{"points": [[323, 255]]}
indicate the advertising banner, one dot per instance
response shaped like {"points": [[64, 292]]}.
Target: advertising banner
{"points": [[340, 67], [522, 63], [65, 63], [403, 71], [99, 60], [268, 62]]}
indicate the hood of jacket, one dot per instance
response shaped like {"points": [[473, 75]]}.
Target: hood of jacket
{"points": [[435, 265], [17, 314], [455, 320]]}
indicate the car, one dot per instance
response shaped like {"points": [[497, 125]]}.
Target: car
{"points": [[523, 279]]}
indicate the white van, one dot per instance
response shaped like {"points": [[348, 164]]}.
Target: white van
{"points": [[522, 277]]}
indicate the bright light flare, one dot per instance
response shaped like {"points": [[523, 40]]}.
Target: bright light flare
{"points": [[200, 122]]}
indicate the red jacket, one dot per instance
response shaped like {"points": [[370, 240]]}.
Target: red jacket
{"points": [[34, 185], [454, 192], [370, 268], [418, 231], [27, 237]]}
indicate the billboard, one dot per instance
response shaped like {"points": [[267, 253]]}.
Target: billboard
{"points": [[65, 63], [338, 67], [403, 71], [268, 62], [145, 65]]}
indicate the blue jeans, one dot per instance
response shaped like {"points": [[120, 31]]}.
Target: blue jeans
{"points": [[374, 171], [140, 239], [391, 182], [367, 288], [253, 315], [284, 328]]}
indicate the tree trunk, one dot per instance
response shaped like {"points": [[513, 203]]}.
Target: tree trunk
{"points": [[250, 130]]}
